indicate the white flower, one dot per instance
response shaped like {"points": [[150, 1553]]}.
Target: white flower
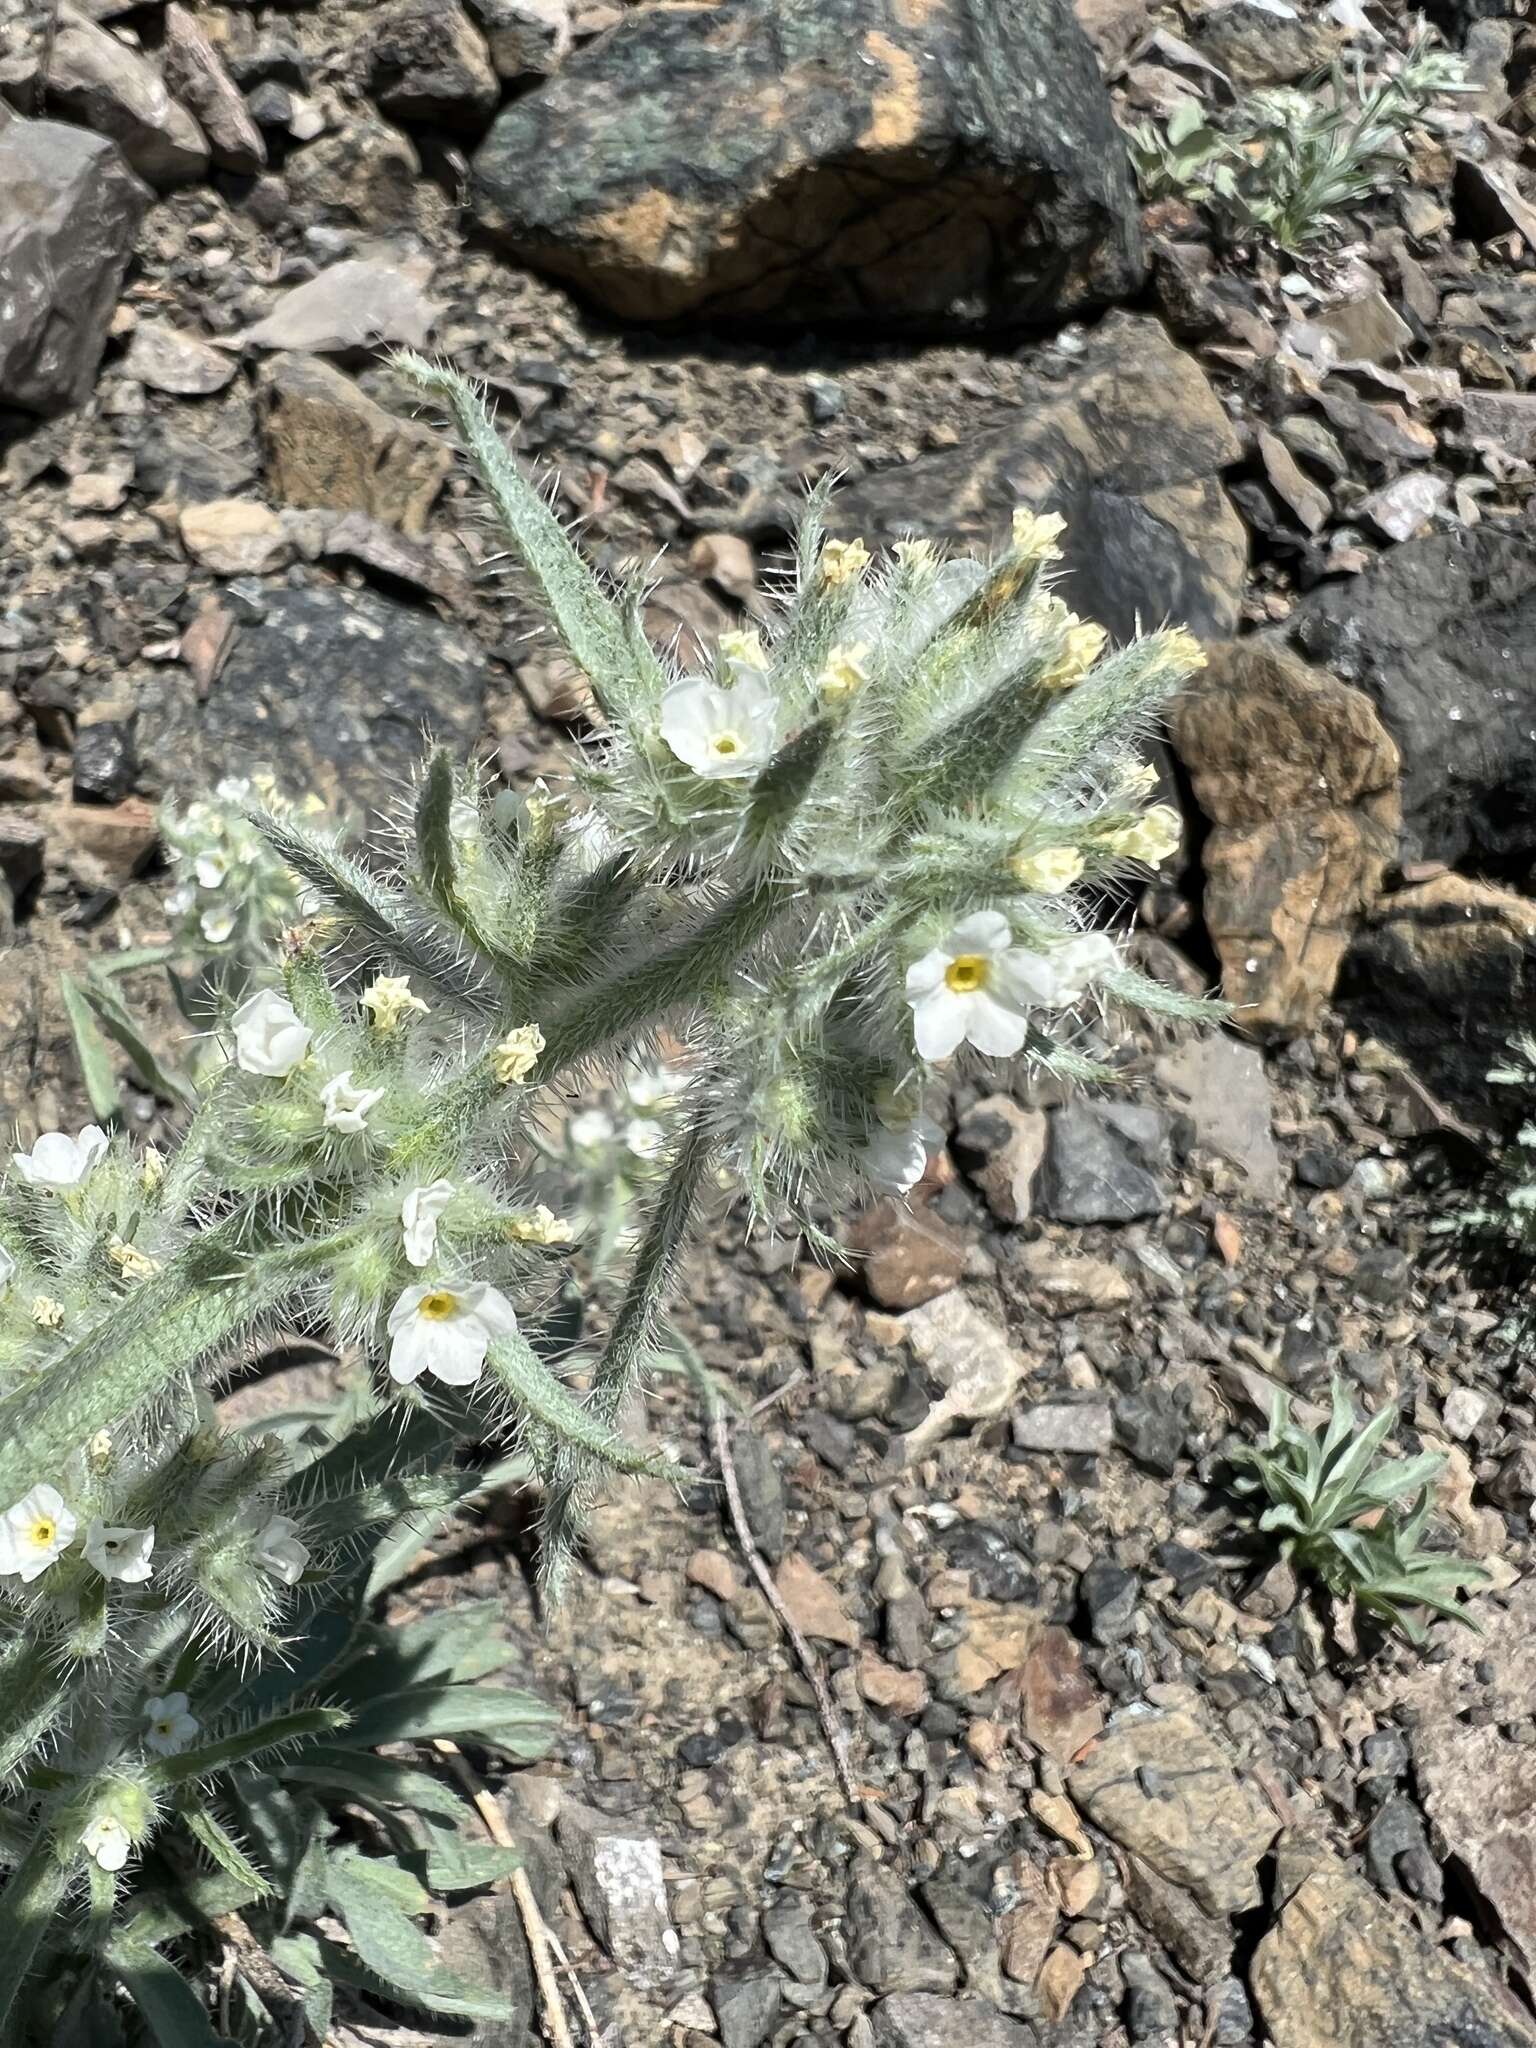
{"points": [[346, 1107], [121, 1554], [106, 1842], [211, 867], [896, 1160], [181, 900], [446, 1331], [514, 1057], [719, 733], [279, 1551], [7, 1268], [418, 1214], [591, 1130], [653, 1087], [977, 986], [171, 1727], [642, 1137], [269, 1038], [216, 925], [234, 789], [388, 1001], [33, 1533], [60, 1161]]}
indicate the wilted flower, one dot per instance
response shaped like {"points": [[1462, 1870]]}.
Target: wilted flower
{"points": [[47, 1313], [514, 1057], [1049, 871], [917, 557], [540, 1225], [388, 1001], [106, 1841], [170, 1727], [279, 1551], [128, 1260], [1154, 835], [121, 1554], [60, 1161], [719, 733], [743, 650], [36, 1531], [347, 1107], [842, 561], [843, 672], [446, 1330], [1035, 534], [1081, 647], [419, 1213], [270, 1039]]}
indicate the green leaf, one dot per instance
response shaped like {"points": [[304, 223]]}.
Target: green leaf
{"points": [[261, 1738], [457, 1864], [116, 1020], [207, 1830], [198, 1897], [515, 1722], [171, 2009], [32, 1895], [367, 1892], [1187, 118], [91, 1050]]}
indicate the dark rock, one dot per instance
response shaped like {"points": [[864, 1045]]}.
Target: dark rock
{"points": [[921, 2020], [998, 1571], [69, 212], [1256, 47], [832, 160], [746, 2003], [1434, 635], [197, 465], [832, 1441], [1233, 2014], [1151, 2010], [331, 690], [1397, 1851], [426, 61], [1110, 1594], [1323, 1166], [891, 1947], [1097, 1171], [1151, 1425], [1384, 1274], [105, 760], [526, 38], [1128, 445], [791, 1939], [107, 85], [195, 72]]}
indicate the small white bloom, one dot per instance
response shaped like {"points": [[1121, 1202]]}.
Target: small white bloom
{"points": [[896, 1160], [591, 1130], [269, 1038], [121, 1554], [978, 986], [389, 1001], [719, 733], [418, 1215], [7, 1268], [642, 1137], [216, 926], [279, 1551], [211, 868], [106, 1842], [346, 1107], [653, 1087], [60, 1161], [181, 900], [234, 789], [34, 1533], [446, 1330], [170, 1727]]}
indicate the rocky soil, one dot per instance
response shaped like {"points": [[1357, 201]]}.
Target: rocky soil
{"points": [[1116, 1776]]}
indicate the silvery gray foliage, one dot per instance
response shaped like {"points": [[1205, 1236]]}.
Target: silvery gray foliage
{"points": [[869, 837]]}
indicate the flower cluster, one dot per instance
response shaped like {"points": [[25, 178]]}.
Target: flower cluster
{"points": [[232, 894]]}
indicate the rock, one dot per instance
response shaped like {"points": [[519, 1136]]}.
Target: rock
{"points": [[1465, 1410], [166, 359], [1505, 420], [831, 160], [618, 1880], [1062, 1285], [746, 2003], [120, 837], [1200, 1942], [1399, 509], [526, 38], [997, 1570], [970, 1358], [1059, 1706], [813, 1604], [1112, 26], [329, 688], [1342, 1966], [235, 537], [1110, 1594], [893, 1690], [69, 214], [353, 306], [791, 1939], [909, 1255], [1433, 635], [327, 443], [1084, 1427], [23, 850], [1473, 1776], [918, 2019], [1150, 1424], [195, 72], [762, 1492], [97, 79], [426, 61], [1365, 329], [1151, 2010], [891, 1947], [105, 762], [1223, 1086], [1001, 1147], [1257, 45], [1157, 1784], [1098, 1162], [1445, 971], [367, 173], [1299, 779], [1128, 445]]}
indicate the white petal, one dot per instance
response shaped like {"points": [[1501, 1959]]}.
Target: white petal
{"points": [[419, 1213], [992, 1027], [491, 1310], [938, 1023], [404, 1310], [927, 974], [984, 931]]}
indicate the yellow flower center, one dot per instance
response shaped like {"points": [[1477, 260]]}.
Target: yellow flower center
{"points": [[966, 973], [726, 744], [43, 1531], [438, 1305]]}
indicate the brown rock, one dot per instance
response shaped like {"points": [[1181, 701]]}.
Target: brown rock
{"points": [[1062, 1285], [426, 61], [1159, 1785], [1299, 779], [328, 443], [713, 1570], [1026, 1929], [971, 1359], [1001, 1146], [235, 537], [195, 72], [909, 1255], [1061, 1978], [1200, 1942], [166, 359], [120, 836], [898, 1692], [812, 1603], [206, 642], [1341, 1968], [1059, 1704], [367, 172]]}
